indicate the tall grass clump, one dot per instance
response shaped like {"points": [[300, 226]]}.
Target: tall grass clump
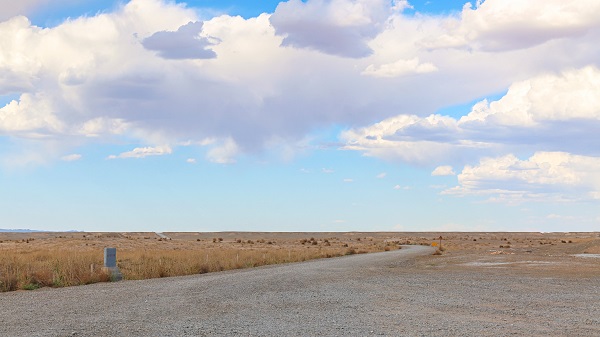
{"points": [[27, 270]]}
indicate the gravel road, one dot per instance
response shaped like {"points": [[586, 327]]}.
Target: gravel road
{"points": [[392, 293]]}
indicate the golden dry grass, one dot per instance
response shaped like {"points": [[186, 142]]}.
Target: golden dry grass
{"points": [[32, 269], [30, 261]]}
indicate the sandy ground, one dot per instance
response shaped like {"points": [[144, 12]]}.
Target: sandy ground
{"points": [[483, 284]]}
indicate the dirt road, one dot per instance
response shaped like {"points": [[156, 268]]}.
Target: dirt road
{"points": [[387, 293]]}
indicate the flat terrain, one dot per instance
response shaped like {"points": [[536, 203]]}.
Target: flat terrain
{"points": [[535, 284]]}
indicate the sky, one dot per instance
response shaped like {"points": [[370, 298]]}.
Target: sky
{"points": [[313, 115]]}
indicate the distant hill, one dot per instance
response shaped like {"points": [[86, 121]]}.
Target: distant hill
{"points": [[18, 230]]}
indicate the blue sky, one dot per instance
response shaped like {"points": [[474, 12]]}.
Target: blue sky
{"points": [[330, 115]]}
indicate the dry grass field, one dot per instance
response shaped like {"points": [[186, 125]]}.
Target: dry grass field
{"points": [[34, 260]]}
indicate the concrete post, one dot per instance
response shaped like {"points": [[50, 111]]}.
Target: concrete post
{"points": [[110, 257], [110, 264]]}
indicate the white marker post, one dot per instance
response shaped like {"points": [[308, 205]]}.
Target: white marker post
{"points": [[110, 264]]}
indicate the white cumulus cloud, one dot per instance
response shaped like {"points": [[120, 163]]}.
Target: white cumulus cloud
{"points": [[545, 175], [338, 27], [550, 112], [443, 171], [498, 25]]}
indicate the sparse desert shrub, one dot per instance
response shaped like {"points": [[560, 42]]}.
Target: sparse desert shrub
{"points": [[31, 286], [350, 251]]}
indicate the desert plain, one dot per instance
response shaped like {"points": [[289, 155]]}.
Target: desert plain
{"points": [[31, 256], [475, 284]]}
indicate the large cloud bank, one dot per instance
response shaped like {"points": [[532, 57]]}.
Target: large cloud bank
{"points": [[153, 73]]}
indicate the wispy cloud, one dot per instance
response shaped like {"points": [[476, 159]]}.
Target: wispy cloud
{"points": [[142, 152], [71, 157]]}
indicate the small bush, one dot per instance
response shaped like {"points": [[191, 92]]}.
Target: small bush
{"points": [[31, 286]]}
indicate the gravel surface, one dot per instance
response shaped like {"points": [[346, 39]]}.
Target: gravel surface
{"points": [[396, 293]]}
